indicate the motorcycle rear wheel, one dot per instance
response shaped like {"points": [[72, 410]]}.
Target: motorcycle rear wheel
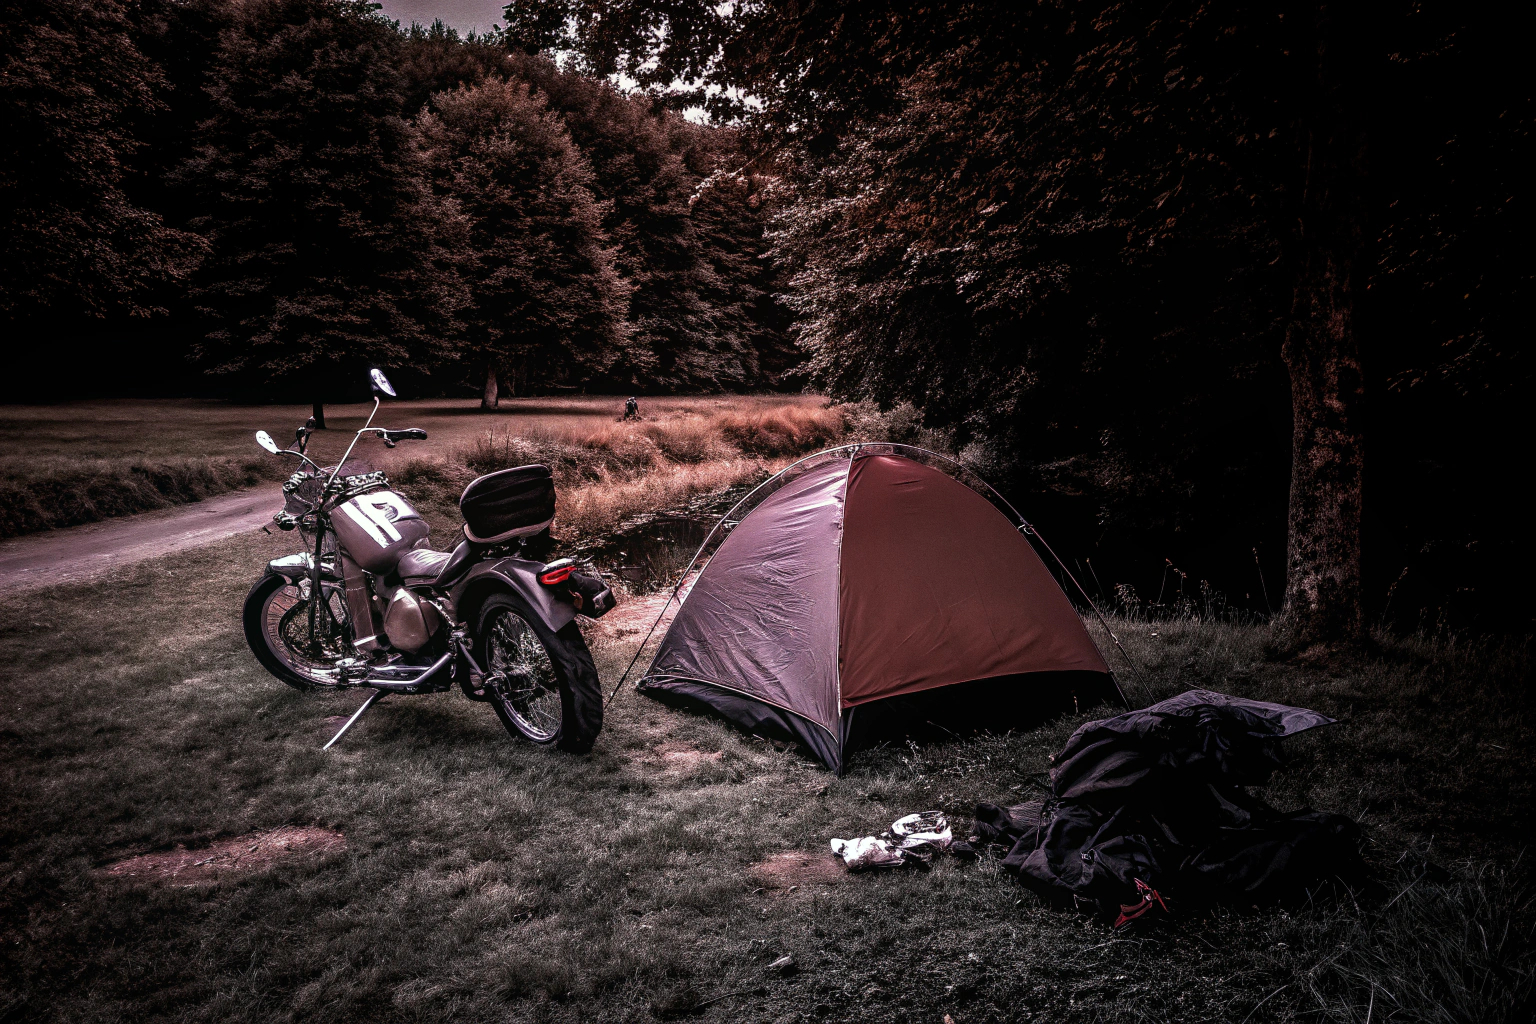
{"points": [[276, 619], [543, 684]]}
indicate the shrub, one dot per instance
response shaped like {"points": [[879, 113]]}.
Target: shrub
{"points": [[90, 491], [781, 431]]}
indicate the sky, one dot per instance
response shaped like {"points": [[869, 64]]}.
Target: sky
{"points": [[460, 14], [465, 15]]}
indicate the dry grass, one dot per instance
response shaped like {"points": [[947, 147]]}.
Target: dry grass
{"points": [[598, 508], [610, 472], [71, 463]]}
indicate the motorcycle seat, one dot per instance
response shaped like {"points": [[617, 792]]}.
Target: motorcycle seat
{"points": [[435, 568]]}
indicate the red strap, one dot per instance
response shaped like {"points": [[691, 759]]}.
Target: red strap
{"points": [[1146, 896]]}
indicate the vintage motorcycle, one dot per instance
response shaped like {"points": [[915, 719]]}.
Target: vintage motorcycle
{"points": [[369, 604]]}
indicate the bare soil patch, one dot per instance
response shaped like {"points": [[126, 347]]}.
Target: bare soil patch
{"points": [[798, 869], [245, 854], [682, 759]]}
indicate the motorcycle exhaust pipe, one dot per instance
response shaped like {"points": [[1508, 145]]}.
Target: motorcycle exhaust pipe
{"points": [[392, 678]]}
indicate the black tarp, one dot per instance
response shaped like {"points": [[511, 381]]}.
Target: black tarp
{"points": [[1159, 796]]}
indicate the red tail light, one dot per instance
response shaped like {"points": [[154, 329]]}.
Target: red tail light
{"points": [[555, 574]]}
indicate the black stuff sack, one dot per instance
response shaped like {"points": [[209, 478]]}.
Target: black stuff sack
{"points": [[1152, 805]]}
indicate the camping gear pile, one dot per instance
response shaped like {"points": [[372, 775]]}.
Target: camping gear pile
{"points": [[1151, 806], [870, 592]]}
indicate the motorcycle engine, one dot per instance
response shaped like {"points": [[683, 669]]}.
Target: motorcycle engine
{"points": [[409, 621]]}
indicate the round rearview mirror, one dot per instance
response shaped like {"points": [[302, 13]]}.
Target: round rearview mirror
{"points": [[265, 440], [381, 383]]}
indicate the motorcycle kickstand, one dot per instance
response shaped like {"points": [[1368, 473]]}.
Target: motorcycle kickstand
{"points": [[378, 695]]}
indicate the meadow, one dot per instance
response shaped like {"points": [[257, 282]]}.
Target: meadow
{"points": [[465, 876], [70, 463]]}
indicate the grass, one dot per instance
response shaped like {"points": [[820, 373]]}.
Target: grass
{"points": [[80, 462], [486, 880], [482, 879]]}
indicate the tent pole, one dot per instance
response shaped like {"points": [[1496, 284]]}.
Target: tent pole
{"points": [[1029, 530]]}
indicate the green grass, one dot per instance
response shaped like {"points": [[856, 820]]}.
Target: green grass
{"points": [[485, 880]]}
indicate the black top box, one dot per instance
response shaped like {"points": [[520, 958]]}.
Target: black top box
{"points": [[507, 504]]}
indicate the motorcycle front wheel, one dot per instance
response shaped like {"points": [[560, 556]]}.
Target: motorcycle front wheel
{"points": [[276, 620], [542, 684]]}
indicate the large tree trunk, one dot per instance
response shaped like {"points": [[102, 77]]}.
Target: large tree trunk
{"points": [[1322, 587], [318, 412], [490, 399]]}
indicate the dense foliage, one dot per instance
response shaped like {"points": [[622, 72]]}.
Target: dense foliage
{"points": [[1150, 266], [287, 190], [1102, 241]]}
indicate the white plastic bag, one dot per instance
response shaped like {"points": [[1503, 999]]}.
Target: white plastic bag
{"points": [[867, 852], [917, 837], [922, 835]]}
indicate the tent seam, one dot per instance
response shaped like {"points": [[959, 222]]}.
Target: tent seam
{"points": [[842, 531]]}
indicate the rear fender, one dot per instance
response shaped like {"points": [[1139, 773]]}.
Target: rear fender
{"points": [[517, 575]]}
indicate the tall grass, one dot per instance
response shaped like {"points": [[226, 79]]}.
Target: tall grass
{"points": [[75, 491], [598, 508], [1447, 947], [611, 472]]}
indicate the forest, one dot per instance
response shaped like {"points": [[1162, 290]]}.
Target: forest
{"points": [[261, 198], [1228, 298]]}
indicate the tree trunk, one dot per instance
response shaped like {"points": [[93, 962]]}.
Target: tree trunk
{"points": [[1322, 588], [489, 400], [318, 412]]}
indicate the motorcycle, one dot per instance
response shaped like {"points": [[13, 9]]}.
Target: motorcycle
{"points": [[369, 604]]}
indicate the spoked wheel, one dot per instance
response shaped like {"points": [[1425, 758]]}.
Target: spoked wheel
{"points": [[277, 629], [542, 684]]}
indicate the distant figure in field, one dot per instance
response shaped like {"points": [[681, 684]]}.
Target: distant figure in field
{"points": [[631, 409]]}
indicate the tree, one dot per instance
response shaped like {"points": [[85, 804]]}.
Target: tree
{"points": [[329, 249], [1003, 208], [74, 85], [689, 326], [637, 149], [547, 302]]}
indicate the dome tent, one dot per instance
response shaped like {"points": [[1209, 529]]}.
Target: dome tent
{"points": [[865, 591]]}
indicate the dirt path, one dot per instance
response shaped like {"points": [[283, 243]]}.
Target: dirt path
{"points": [[42, 559]]}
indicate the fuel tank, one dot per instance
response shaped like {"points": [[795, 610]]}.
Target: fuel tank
{"points": [[377, 528]]}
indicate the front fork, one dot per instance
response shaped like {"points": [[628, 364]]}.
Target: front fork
{"points": [[316, 589], [360, 607]]}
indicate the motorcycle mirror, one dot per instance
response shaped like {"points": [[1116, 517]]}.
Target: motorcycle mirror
{"points": [[265, 440], [381, 384], [309, 424]]}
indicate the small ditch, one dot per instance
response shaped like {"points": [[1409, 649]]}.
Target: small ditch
{"points": [[650, 551]]}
